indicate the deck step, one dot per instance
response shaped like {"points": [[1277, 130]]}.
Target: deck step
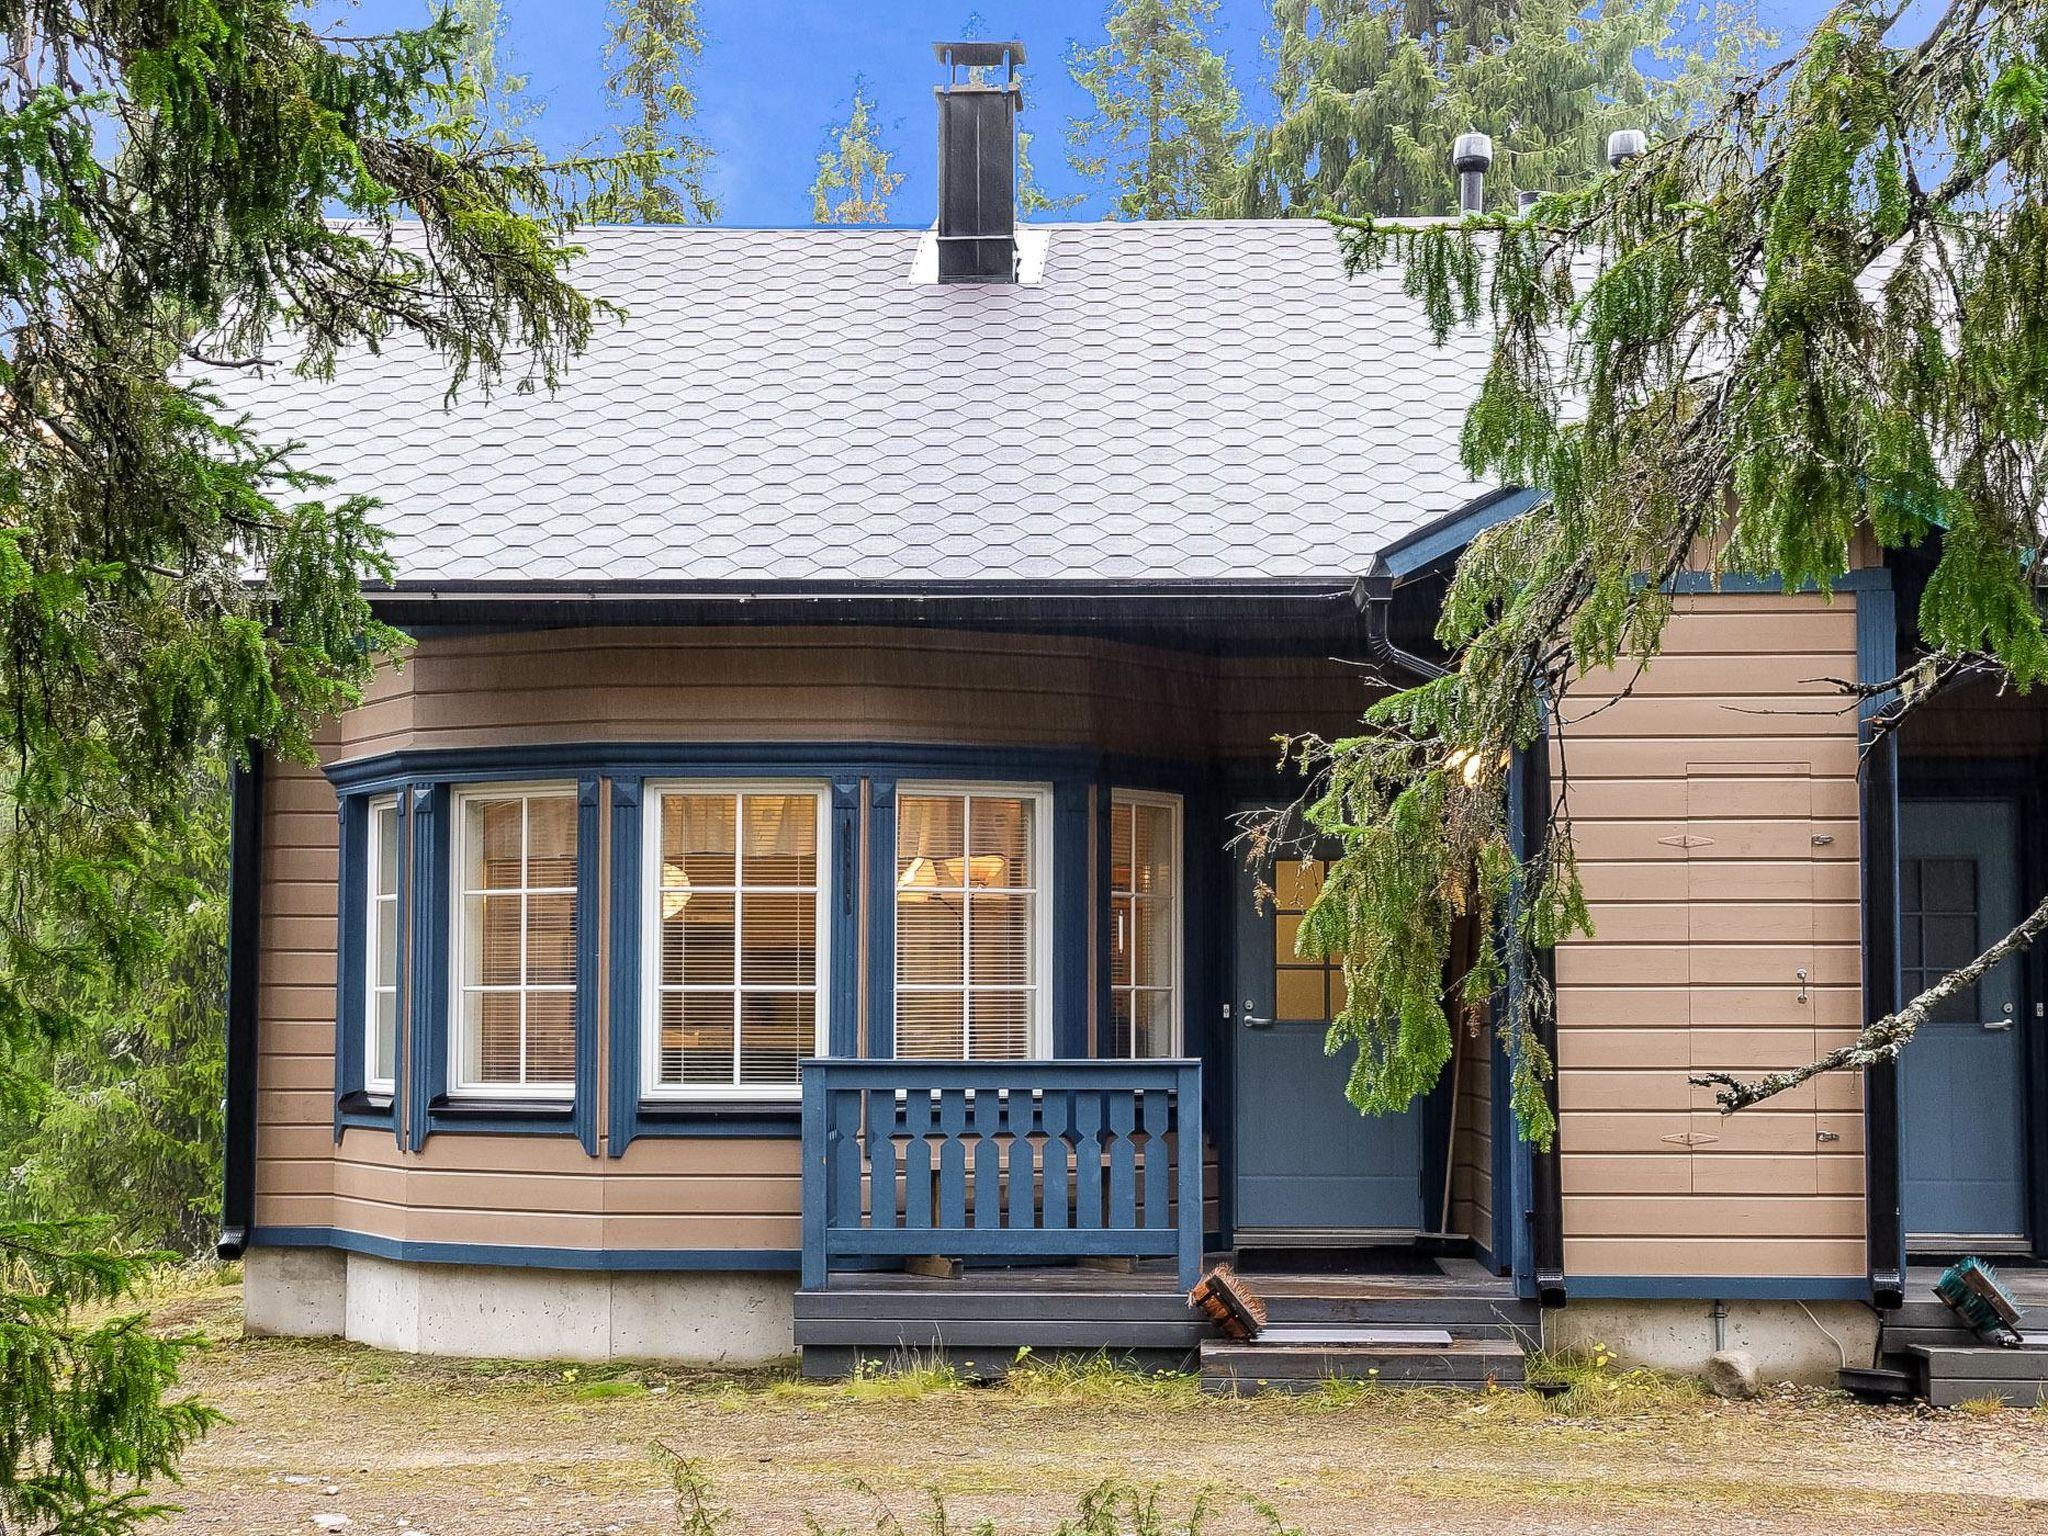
{"points": [[1281, 1366], [1948, 1376]]}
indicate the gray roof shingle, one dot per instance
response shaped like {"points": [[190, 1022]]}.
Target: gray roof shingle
{"points": [[1173, 402]]}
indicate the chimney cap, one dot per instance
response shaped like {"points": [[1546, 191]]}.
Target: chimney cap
{"points": [[979, 53], [1626, 144], [1472, 152]]}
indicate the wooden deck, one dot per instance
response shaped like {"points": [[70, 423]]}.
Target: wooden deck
{"points": [[981, 1319]]}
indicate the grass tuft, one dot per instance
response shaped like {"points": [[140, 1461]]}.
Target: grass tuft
{"points": [[1595, 1387], [1981, 1407], [1098, 1378]]}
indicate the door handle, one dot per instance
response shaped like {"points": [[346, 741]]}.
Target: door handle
{"points": [[1252, 1020], [2004, 1022]]}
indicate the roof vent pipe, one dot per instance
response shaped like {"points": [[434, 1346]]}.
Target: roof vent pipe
{"points": [[1470, 157], [1624, 145], [978, 162]]}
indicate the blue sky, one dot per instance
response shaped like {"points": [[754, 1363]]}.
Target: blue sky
{"points": [[777, 73]]}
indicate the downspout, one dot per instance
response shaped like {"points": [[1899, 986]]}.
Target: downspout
{"points": [[245, 903], [1374, 595]]}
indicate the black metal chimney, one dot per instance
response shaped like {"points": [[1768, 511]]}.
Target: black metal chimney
{"points": [[978, 162]]}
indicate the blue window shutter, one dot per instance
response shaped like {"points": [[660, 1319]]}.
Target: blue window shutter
{"points": [[1073, 872], [842, 889], [587, 919], [882, 920], [622, 1121], [352, 823]]}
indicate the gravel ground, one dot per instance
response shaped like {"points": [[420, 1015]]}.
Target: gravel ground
{"points": [[446, 1448]]}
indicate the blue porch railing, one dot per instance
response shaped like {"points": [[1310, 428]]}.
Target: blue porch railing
{"points": [[1015, 1159]]}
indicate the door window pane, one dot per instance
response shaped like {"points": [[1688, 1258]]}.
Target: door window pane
{"points": [[515, 1015], [1304, 991], [1144, 943], [969, 917], [1938, 929], [737, 956]]}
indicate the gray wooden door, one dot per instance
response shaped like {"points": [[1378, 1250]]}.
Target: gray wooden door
{"points": [[1962, 1095], [1306, 1161]]}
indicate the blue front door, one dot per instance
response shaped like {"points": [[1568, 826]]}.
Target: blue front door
{"points": [[1306, 1161], [1961, 1083]]}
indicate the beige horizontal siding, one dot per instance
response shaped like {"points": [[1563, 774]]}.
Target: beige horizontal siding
{"points": [[1715, 817]]}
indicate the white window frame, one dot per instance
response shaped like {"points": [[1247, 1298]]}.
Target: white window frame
{"points": [[652, 1089], [373, 849], [1041, 907], [458, 905], [1177, 969]]}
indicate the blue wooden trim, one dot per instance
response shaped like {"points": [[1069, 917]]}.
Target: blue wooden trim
{"points": [[1697, 583], [352, 828], [750, 1260], [1720, 1287], [1070, 913], [683, 1119], [815, 1260], [1188, 1160], [842, 1030], [1450, 534], [627, 844], [588, 916], [1883, 979], [882, 918], [760, 760], [1104, 861], [427, 1056], [1511, 1192]]}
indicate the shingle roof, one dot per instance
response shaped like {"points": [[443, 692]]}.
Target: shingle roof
{"points": [[1172, 402]]}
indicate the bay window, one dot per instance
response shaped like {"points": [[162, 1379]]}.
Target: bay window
{"points": [[1144, 925], [972, 886], [735, 944], [514, 943], [380, 943]]}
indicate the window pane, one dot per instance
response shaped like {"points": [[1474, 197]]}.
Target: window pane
{"points": [[929, 940], [781, 840], [1144, 885], [999, 1025], [491, 1030], [696, 1038], [1153, 851], [384, 833], [492, 943], [697, 942], [1120, 1023], [999, 841], [776, 1031], [1120, 845], [492, 838], [1152, 1024], [385, 937], [1299, 993], [929, 1024], [1123, 936], [781, 932], [550, 1037], [1295, 884], [930, 833], [1000, 953], [550, 940], [383, 1036], [698, 840], [551, 843]]}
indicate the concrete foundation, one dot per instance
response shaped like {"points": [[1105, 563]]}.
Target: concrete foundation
{"points": [[710, 1318], [1788, 1341]]}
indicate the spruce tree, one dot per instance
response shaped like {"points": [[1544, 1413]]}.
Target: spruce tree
{"points": [[172, 587], [1164, 130], [1031, 197], [1369, 95], [854, 182], [1817, 314], [650, 56], [482, 83]]}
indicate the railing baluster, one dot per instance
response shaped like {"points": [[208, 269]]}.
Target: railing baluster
{"points": [[1123, 1159], [988, 1159], [1053, 1122], [1158, 1107], [1018, 1107], [953, 1157], [846, 1160], [917, 1160], [881, 1142], [1088, 1160], [1188, 1091]]}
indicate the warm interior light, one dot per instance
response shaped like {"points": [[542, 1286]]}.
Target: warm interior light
{"points": [[675, 890], [923, 877]]}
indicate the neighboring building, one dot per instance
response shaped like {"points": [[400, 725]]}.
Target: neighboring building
{"points": [[858, 664]]}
